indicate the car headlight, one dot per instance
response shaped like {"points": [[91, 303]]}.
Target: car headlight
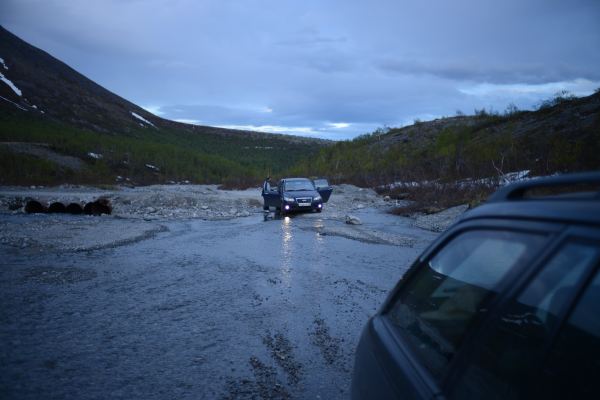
{"points": [[317, 198], [289, 199]]}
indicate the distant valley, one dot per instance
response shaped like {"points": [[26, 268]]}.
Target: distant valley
{"points": [[57, 126]]}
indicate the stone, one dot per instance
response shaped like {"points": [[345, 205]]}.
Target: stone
{"points": [[353, 220]]}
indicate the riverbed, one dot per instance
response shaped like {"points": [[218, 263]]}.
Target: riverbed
{"points": [[252, 307]]}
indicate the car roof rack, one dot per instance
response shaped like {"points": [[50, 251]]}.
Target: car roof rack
{"points": [[518, 190]]}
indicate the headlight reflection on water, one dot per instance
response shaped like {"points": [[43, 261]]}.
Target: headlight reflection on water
{"points": [[287, 250]]}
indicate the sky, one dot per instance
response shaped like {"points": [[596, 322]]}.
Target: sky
{"points": [[332, 69]]}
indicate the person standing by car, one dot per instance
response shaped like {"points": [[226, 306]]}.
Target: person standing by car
{"points": [[266, 189]]}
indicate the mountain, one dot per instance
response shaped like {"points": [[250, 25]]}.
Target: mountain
{"points": [[49, 111], [563, 135]]}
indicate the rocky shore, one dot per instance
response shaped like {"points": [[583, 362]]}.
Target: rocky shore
{"points": [[138, 213]]}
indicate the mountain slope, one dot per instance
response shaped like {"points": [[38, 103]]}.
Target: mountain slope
{"points": [[562, 136], [43, 100]]}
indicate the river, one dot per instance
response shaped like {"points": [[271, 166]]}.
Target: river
{"points": [[243, 308]]}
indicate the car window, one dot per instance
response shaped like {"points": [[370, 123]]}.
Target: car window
{"points": [[445, 295], [502, 367], [299, 185], [573, 367], [321, 183]]}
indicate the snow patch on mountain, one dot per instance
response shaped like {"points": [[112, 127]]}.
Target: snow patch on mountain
{"points": [[142, 119], [10, 84], [2, 62]]}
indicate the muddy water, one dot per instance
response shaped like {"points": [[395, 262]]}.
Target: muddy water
{"points": [[245, 308]]}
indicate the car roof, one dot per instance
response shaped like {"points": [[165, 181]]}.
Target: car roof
{"points": [[575, 206], [295, 179]]}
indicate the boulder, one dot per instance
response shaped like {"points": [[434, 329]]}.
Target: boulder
{"points": [[353, 220]]}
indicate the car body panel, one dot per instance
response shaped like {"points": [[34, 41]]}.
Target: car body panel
{"points": [[386, 366], [379, 374]]}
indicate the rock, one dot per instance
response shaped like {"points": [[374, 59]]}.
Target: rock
{"points": [[15, 204], [232, 211], [353, 220], [359, 206], [387, 198], [244, 214], [204, 207]]}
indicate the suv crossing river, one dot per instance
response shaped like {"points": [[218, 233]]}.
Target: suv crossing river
{"points": [[298, 194]]}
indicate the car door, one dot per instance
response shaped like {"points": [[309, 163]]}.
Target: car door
{"points": [[272, 198], [324, 188], [408, 348], [508, 356]]}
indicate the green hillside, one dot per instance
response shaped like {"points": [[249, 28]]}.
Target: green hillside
{"points": [[562, 136], [178, 155]]}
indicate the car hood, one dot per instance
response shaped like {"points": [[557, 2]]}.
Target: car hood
{"points": [[301, 193]]}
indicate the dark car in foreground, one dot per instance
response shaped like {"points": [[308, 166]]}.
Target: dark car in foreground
{"points": [[504, 305], [298, 194]]}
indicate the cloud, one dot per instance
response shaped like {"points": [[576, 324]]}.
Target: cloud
{"points": [[309, 67], [339, 125], [578, 87], [479, 71]]}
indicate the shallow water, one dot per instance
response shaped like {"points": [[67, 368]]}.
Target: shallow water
{"points": [[244, 308]]}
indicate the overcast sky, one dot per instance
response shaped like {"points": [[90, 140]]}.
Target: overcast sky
{"points": [[332, 69]]}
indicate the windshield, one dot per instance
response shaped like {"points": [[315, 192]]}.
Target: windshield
{"points": [[298, 185]]}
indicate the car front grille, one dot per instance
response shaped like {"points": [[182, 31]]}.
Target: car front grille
{"points": [[304, 199]]}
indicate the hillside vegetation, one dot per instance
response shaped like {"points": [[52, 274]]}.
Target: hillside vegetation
{"points": [[563, 135], [143, 157]]}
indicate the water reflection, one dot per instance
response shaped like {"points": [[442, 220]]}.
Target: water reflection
{"points": [[287, 250], [319, 230]]}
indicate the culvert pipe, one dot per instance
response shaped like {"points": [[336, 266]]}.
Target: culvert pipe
{"points": [[75, 208], [34, 207], [98, 207], [57, 207]]}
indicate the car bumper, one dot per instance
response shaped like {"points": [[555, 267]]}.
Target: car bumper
{"points": [[294, 206]]}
